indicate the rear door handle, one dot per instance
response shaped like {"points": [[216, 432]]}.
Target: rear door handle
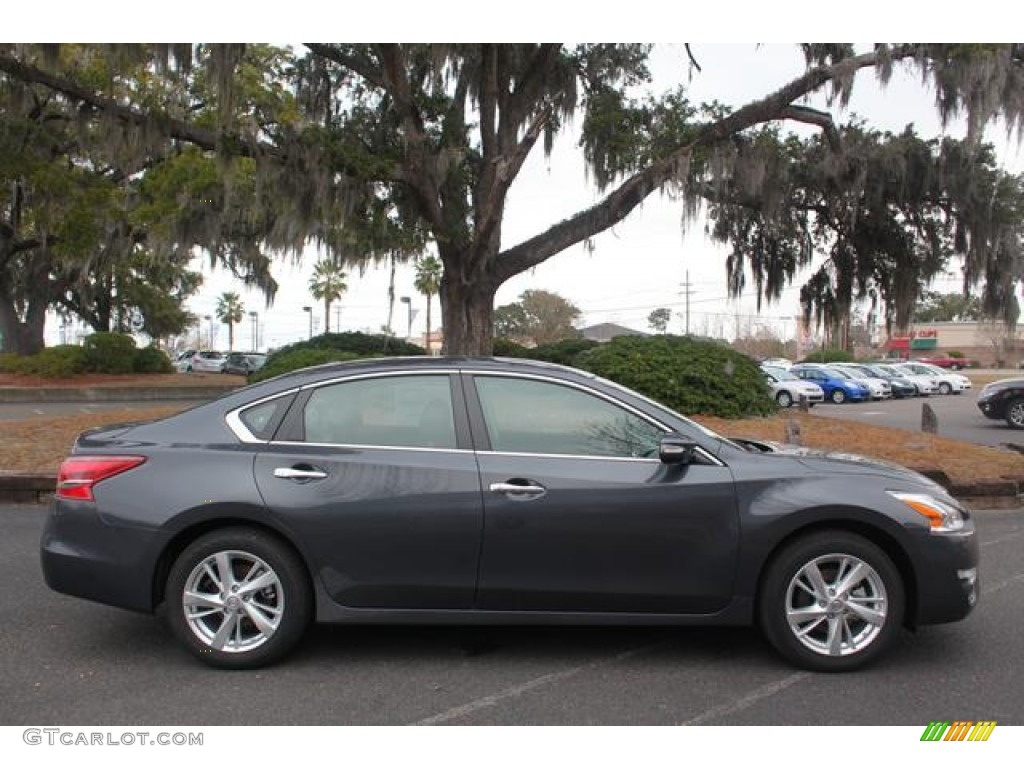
{"points": [[296, 473], [525, 489]]}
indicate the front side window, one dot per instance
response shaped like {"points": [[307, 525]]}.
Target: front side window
{"points": [[529, 416], [394, 411]]}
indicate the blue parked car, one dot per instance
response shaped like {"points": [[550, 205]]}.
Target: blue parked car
{"points": [[839, 387]]}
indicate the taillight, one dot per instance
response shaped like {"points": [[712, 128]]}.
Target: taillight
{"points": [[79, 474]]}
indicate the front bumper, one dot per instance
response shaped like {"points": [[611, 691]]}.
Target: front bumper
{"points": [[946, 565]]}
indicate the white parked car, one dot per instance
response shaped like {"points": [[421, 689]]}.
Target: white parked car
{"points": [[925, 383], [947, 383], [880, 388], [788, 389], [203, 361]]}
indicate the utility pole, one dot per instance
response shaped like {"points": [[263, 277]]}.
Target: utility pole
{"points": [[687, 292]]}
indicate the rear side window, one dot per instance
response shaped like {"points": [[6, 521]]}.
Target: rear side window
{"points": [[262, 420], [395, 411]]}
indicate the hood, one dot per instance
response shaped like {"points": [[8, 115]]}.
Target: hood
{"points": [[837, 461]]}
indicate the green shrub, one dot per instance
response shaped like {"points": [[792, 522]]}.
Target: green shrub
{"points": [[509, 348], [564, 352], [300, 358], [689, 375], [109, 353], [151, 360], [829, 356], [351, 345], [956, 353], [56, 362], [10, 362]]}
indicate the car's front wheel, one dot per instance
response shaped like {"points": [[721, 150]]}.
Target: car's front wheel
{"points": [[838, 396], [238, 598], [831, 601], [945, 388], [1015, 413], [784, 399]]}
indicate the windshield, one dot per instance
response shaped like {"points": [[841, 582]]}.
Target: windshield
{"points": [[780, 374], [835, 373]]}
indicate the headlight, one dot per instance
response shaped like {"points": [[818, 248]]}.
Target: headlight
{"points": [[942, 516]]}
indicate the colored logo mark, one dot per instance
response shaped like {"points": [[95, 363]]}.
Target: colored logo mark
{"points": [[960, 730]]}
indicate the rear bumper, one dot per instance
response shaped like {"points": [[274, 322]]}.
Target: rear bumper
{"points": [[83, 556]]}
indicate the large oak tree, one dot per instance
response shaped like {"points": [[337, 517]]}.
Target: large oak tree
{"points": [[371, 150]]}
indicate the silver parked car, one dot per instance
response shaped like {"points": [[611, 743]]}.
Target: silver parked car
{"points": [[788, 389]]}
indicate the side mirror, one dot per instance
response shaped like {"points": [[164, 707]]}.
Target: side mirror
{"points": [[675, 449]]}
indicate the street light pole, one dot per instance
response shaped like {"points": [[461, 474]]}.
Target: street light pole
{"points": [[407, 300], [309, 311], [255, 331]]}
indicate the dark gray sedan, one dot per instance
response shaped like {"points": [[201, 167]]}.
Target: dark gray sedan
{"points": [[482, 491]]}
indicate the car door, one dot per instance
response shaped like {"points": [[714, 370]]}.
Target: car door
{"points": [[376, 476], [580, 515]]}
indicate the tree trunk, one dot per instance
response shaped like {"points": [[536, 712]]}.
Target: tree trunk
{"points": [[426, 338], [231, 336], [467, 316], [327, 316], [22, 337]]}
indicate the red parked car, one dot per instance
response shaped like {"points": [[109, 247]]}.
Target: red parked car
{"points": [[953, 363]]}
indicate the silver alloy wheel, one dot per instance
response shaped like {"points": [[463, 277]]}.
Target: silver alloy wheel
{"points": [[836, 605], [1015, 414], [838, 396], [233, 601], [784, 399]]}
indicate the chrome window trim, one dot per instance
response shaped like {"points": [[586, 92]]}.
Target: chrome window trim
{"points": [[235, 424], [365, 447]]}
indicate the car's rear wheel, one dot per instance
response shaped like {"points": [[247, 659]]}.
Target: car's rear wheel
{"points": [[784, 399], [831, 601], [1015, 413], [838, 396], [238, 598]]}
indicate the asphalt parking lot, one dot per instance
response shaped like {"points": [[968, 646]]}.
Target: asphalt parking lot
{"points": [[959, 417], [71, 662]]}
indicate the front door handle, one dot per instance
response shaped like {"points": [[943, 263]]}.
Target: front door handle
{"points": [[525, 488], [297, 473]]}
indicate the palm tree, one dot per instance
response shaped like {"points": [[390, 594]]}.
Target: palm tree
{"points": [[428, 282], [327, 284], [230, 310]]}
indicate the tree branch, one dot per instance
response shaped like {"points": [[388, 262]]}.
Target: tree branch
{"points": [[814, 117], [634, 190], [361, 65]]}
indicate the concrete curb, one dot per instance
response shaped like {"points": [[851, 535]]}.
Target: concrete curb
{"points": [[111, 394], [22, 487]]}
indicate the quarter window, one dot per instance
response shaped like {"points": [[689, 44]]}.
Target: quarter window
{"points": [[528, 416], [400, 411]]}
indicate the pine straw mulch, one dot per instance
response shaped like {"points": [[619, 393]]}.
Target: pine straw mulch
{"points": [[39, 445]]}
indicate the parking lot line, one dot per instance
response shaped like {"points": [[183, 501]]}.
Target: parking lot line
{"points": [[538, 682], [756, 695]]}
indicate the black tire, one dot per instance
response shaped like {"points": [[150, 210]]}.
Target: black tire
{"points": [[250, 556], [838, 396], [956, 366], [945, 388], [1014, 413], [881, 588], [784, 399]]}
